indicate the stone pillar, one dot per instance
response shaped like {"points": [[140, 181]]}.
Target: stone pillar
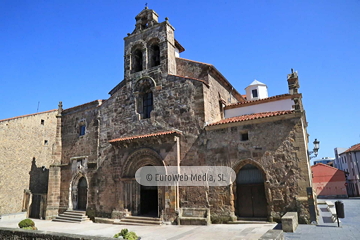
{"points": [[53, 200]]}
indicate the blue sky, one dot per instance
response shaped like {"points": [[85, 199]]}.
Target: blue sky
{"points": [[72, 51]]}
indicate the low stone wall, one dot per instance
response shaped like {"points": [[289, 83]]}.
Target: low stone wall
{"points": [[194, 216], [21, 234]]}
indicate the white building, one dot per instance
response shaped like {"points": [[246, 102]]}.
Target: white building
{"points": [[352, 158], [256, 90], [325, 160], [339, 162]]}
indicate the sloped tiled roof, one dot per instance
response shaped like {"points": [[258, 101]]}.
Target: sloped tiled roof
{"points": [[325, 165], [143, 136], [354, 148], [263, 100], [251, 117]]}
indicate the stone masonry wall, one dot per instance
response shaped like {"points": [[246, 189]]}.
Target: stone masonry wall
{"points": [[213, 95], [76, 147], [25, 146], [178, 104], [273, 146]]}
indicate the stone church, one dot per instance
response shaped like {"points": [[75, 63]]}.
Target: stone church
{"points": [[170, 111]]}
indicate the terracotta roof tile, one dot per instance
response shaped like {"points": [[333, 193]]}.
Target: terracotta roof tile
{"points": [[325, 165], [143, 136], [354, 148], [251, 117]]}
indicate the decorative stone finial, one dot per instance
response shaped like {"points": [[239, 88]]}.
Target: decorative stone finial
{"points": [[146, 7], [166, 19], [60, 109]]}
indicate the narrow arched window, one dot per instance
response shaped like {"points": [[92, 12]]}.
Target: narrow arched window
{"points": [[147, 104], [154, 55], [137, 60]]}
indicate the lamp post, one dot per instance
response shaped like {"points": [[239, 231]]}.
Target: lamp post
{"points": [[315, 151]]}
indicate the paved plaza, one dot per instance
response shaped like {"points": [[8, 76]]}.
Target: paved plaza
{"points": [[349, 228], [168, 232]]}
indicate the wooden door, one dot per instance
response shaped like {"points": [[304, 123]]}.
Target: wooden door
{"points": [[82, 194], [250, 193], [259, 202], [244, 201]]}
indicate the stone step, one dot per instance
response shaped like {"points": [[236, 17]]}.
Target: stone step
{"points": [[143, 218], [69, 221], [134, 224], [72, 217], [139, 220], [84, 218], [74, 213], [248, 222], [251, 219]]}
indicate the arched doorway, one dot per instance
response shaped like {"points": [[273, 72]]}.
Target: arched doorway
{"points": [[149, 199], [139, 199], [250, 193], [82, 194]]}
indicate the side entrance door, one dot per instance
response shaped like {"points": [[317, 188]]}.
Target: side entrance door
{"points": [[250, 193], [82, 194]]}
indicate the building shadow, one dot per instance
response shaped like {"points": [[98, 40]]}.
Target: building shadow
{"points": [[38, 186]]}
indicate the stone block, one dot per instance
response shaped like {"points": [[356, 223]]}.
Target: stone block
{"points": [[194, 216], [289, 222]]}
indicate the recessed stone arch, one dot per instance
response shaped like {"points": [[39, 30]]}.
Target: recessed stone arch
{"points": [[144, 83], [140, 44], [73, 189], [140, 158], [237, 167], [133, 197], [144, 99], [244, 162], [138, 55]]}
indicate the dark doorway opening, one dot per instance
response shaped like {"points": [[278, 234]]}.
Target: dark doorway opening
{"points": [[35, 206], [250, 193], [149, 201], [82, 194]]}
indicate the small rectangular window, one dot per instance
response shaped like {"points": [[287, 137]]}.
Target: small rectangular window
{"points": [[42, 121], [82, 130], [244, 136], [46, 142], [254, 93]]}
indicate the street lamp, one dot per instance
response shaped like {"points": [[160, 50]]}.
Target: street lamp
{"points": [[315, 151]]}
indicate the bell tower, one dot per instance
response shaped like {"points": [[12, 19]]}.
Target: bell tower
{"points": [[150, 48]]}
